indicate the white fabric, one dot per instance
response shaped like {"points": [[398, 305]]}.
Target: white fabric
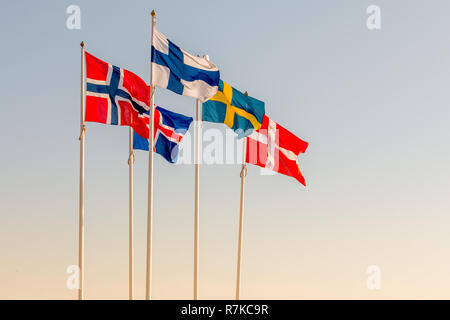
{"points": [[199, 89], [197, 62], [271, 144], [160, 75], [160, 42]]}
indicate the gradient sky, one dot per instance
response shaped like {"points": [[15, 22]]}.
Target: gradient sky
{"points": [[374, 106]]}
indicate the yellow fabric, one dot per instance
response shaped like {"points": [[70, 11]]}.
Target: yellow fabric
{"points": [[219, 97], [226, 97], [228, 93]]}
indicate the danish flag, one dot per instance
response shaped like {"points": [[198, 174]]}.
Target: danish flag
{"points": [[275, 148], [116, 96]]}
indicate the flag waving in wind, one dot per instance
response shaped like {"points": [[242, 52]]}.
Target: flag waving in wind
{"points": [[169, 129], [181, 72], [235, 109], [275, 148], [116, 96]]}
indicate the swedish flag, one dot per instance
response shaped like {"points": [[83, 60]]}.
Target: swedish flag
{"points": [[235, 109]]}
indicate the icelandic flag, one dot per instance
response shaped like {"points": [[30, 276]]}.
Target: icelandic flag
{"points": [[168, 131], [181, 72], [116, 96]]}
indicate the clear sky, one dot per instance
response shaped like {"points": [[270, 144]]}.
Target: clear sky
{"points": [[374, 106]]}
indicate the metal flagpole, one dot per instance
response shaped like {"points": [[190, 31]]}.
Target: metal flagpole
{"points": [[81, 200], [130, 217], [150, 177], [241, 216], [197, 198]]}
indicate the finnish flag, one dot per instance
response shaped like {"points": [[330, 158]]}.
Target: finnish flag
{"points": [[181, 72]]}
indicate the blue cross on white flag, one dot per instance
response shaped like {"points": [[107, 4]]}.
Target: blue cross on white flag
{"points": [[181, 72]]}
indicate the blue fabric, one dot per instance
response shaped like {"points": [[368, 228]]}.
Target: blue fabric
{"points": [[215, 111], [163, 146], [139, 142], [112, 89], [180, 71]]}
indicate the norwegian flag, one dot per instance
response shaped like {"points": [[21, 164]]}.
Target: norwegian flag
{"points": [[275, 148], [116, 96]]}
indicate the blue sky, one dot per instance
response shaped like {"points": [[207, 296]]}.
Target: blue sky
{"points": [[372, 104]]}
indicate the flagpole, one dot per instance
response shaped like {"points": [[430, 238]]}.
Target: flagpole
{"points": [[241, 216], [197, 198], [150, 177], [130, 216], [81, 200]]}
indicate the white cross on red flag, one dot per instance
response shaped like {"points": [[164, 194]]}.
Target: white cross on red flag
{"points": [[277, 149]]}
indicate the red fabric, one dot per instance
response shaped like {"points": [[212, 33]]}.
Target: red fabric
{"points": [[95, 68], [98, 107], [282, 145]]}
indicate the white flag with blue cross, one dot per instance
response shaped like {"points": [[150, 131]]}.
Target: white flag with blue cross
{"points": [[181, 72]]}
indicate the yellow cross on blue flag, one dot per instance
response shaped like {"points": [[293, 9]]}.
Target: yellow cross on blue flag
{"points": [[237, 110]]}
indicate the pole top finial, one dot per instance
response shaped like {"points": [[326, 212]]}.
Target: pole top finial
{"points": [[246, 93], [153, 13], [82, 44]]}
